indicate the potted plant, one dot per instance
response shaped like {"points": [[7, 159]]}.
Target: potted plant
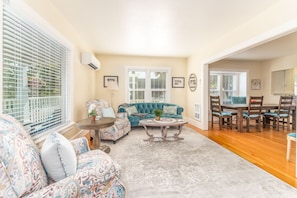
{"points": [[92, 112], [158, 113]]}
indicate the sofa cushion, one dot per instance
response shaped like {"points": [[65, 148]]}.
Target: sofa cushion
{"points": [[20, 157], [108, 112], [58, 157], [131, 110], [170, 110]]}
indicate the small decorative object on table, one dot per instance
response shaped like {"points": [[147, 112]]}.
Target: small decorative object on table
{"points": [[92, 112], [158, 113]]}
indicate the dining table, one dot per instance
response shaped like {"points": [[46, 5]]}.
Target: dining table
{"points": [[267, 107]]}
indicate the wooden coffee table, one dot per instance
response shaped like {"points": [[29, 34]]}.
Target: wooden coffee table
{"points": [[164, 124], [96, 125]]}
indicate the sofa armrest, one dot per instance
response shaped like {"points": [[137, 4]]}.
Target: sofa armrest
{"points": [[121, 109], [68, 187], [80, 145], [179, 110]]}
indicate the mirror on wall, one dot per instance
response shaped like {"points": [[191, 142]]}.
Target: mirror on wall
{"points": [[283, 82]]}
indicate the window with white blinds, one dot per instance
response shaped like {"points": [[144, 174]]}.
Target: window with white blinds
{"points": [[33, 74], [148, 85]]}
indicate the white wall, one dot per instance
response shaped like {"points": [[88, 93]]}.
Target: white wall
{"points": [[115, 65], [277, 20]]}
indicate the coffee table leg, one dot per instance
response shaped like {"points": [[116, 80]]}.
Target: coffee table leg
{"points": [[164, 132], [175, 135], [151, 137]]}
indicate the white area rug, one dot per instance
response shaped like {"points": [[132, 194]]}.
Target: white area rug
{"points": [[190, 168]]}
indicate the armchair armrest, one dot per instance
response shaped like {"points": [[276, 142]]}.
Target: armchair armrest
{"points": [[80, 145], [68, 187], [122, 115]]}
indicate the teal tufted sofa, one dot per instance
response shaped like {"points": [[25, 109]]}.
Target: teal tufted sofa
{"points": [[145, 111]]}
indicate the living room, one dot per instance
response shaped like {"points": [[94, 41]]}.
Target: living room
{"points": [[180, 66], [267, 24]]}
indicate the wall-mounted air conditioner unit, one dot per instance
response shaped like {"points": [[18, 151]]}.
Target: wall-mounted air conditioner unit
{"points": [[90, 60]]}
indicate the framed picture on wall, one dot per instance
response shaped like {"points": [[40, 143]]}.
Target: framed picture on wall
{"points": [[107, 79], [255, 84], [178, 82]]}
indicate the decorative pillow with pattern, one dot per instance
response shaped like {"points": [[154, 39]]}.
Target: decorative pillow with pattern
{"points": [[131, 110], [58, 157], [20, 157], [170, 110]]}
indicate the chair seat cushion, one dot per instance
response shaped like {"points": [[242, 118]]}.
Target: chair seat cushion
{"points": [[292, 135], [223, 113], [58, 157], [275, 114], [98, 164]]}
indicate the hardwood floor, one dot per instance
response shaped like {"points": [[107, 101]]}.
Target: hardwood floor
{"points": [[265, 149]]}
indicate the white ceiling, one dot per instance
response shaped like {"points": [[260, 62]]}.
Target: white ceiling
{"points": [[174, 28]]}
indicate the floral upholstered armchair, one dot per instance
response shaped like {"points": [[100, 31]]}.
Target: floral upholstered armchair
{"points": [[24, 170], [121, 126]]}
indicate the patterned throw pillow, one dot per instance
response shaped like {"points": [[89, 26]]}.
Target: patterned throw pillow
{"points": [[131, 110], [20, 159], [170, 110], [58, 156], [108, 112]]}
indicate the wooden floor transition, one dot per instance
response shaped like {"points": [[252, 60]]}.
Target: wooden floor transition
{"points": [[265, 149]]}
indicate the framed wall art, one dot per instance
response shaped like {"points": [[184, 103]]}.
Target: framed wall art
{"points": [[256, 84], [192, 82], [178, 82], [107, 79]]}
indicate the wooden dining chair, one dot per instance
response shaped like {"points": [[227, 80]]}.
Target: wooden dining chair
{"points": [[254, 112], [225, 117], [282, 115]]}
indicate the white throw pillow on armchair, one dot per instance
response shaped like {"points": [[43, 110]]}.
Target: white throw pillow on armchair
{"points": [[58, 156], [108, 112]]}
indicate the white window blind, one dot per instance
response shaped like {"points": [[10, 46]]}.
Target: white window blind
{"points": [[33, 74]]}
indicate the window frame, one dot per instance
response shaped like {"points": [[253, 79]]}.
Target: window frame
{"points": [[238, 89], [42, 25], [148, 91]]}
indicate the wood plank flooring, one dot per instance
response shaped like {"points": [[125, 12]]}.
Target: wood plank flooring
{"points": [[265, 149]]}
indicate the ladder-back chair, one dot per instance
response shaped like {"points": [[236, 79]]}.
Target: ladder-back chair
{"points": [[216, 111], [254, 112], [282, 114]]}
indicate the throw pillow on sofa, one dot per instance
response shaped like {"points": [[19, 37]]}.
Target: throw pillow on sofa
{"points": [[108, 112], [131, 110], [58, 157], [170, 110]]}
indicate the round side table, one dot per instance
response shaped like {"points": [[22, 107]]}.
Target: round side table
{"points": [[96, 125]]}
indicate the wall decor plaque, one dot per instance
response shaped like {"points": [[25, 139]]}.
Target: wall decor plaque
{"points": [[192, 82]]}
